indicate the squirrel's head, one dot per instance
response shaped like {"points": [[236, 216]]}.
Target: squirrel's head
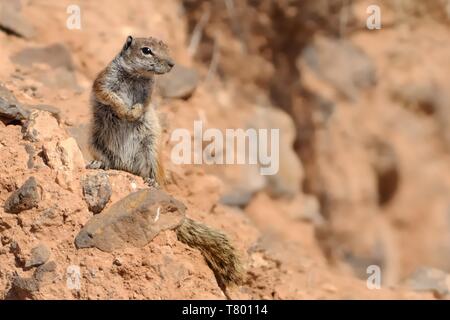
{"points": [[146, 56]]}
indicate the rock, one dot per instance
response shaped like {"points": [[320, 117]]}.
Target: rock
{"points": [[241, 183], [342, 65], [47, 218], [15, 249], [23, 288], [59, 78], [65, 180], [26, 197], [97, 191], [179, 83], [45, 272], [5, 223], [26, 288], [12, 21], [42, 126], [237, 198], [423, 98], [117, 262], [429, 279], [10, 108], [288, 179], [39, 256], [51, 155], [318, 105], [71, 155], [56, 55], [133, 221], [81, 134], [375, 245], [63, 154], [45, 107], [304, 207], [426, 98], [311, 210], [52, 65], [29, 148]]}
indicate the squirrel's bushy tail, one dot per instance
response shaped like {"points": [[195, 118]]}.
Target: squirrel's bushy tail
{"points": [[215, 247]]}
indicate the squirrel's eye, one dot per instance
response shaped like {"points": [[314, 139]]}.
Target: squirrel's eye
{"points": [[147, 50]]}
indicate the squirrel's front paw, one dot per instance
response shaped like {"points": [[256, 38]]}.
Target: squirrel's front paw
{"points": [[135, 112]]}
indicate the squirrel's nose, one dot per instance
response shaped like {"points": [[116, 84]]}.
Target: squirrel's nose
{"points": [[170, 63]]}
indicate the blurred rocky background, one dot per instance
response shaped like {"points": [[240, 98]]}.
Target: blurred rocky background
{"points": [[364, 125]]}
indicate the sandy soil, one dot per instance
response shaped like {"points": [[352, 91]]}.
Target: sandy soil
{"points": [[363, 181]]}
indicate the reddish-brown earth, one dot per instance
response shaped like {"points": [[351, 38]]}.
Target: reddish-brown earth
{"points": [[364, 159]]}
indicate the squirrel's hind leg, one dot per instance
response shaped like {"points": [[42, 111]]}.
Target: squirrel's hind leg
{"points": [[97, 164], [151, 182]]}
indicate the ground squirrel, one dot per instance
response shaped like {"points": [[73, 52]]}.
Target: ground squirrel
{"points": [[126, 135]]}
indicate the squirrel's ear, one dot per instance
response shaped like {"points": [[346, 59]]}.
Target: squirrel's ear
{"points": [[128, 43]]}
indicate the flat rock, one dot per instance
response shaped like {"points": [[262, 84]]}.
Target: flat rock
{"points": [[39, 256], [58, 78], [10, 108], [97, 191], [179, 83], [24, 198], [50, 65], [55, 55], [133, 221]]}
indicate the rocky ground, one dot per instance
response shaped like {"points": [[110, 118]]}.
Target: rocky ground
{"points": [[364, 156]]}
